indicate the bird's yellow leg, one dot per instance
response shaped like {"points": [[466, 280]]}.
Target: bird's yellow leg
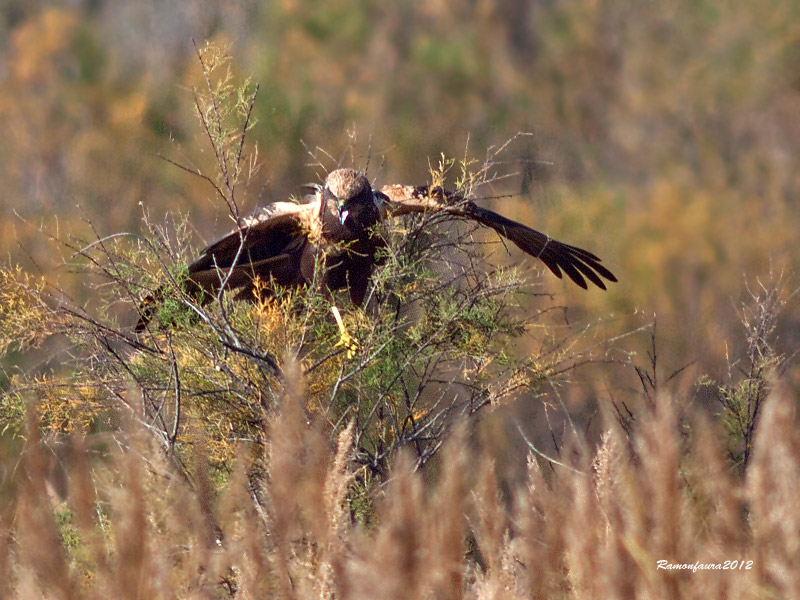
{"points": [[346, 339]]}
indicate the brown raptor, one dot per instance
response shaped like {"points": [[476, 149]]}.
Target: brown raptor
{"points": [[281, 242]]}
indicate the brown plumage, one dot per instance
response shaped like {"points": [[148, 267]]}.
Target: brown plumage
{"points": [[577, 263], [282, 242]]}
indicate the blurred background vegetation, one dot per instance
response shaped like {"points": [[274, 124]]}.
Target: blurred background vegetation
{"points": [[665, 135]]}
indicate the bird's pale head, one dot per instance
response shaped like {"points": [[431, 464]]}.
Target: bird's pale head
{"points": [[346, 184], [349, 187]]}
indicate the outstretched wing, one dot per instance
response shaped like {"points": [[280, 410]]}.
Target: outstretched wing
{"points": [[578, 264], [268, 244]]}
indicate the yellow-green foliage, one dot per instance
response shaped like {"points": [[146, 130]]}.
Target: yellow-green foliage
{"points": [[433, 344], [23, 312]]}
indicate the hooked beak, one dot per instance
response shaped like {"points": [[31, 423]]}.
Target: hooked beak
{"points": [[343, 214]]}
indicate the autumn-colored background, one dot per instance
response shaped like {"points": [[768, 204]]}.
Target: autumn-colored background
{"points": [[664, 133]]}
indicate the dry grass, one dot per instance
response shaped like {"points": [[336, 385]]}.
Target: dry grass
{"points": [[658, 131], [123, 525]]}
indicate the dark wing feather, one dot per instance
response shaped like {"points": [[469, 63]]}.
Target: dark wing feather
{"points": [[263, 235], [280, 267], [577, 263], [269, 245]]}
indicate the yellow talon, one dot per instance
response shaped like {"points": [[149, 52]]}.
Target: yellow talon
{"points": [[345, 338]]}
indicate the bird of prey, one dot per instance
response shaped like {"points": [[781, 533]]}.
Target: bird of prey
{"points": [[282, 242]]}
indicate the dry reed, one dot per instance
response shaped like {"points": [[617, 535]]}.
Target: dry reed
{"points": [[127, 526]]}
